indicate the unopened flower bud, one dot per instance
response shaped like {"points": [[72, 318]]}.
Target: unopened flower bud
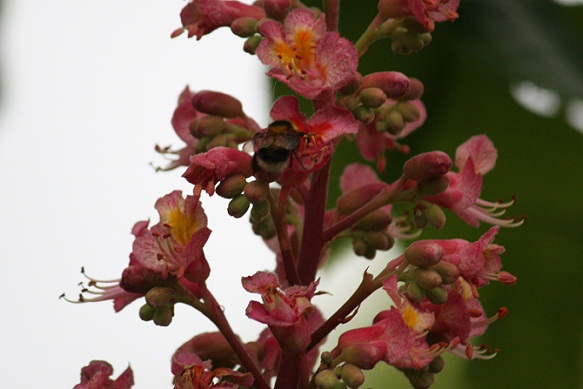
{"points": [[427, 278], [256, 191], [251, 44], [146, 312], [326, 357], [326, 379], [264, 229], [420, 380], [436, 365], [415, 91], [377, 220], [356, 198], [425, 165], [448, 271], [217, 103], [436, 295], [259, 211], [424, 253], [159, 296], [363, 114], [435, 216], [394, 84], [415, 292], [207, 126], [352, 376], [238, 206], [420, 218], [409, 111], [432, 186], [362, 355], [277, 9], [392, 9], [163, 315], [231, 186], [244, 27], [394, 122], [372, 97], [378, 240], [359, 247]]}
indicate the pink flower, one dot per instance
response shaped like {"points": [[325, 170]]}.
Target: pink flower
{"points": [[96, 376], [389, 339], [461, 317], [474, 158], [427, 12], [304, 56], [206, 170], [200, 17], [284, 311], [318, 134], [190, 372], [478, 262], [174, 245]]}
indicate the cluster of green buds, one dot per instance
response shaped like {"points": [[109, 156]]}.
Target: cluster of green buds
{"points": [[428, 274]]}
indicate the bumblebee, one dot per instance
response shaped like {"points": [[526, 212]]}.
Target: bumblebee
{"points": [[274, 148]]}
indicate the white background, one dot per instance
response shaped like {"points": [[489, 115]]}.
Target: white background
{"points": [[88, 88]]}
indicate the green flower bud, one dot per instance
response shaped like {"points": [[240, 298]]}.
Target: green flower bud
{"points": [[264, 229], [244, 27], [326, 379], [163, 315], [238, 206], [409, 111], [207, 126], [436, 295], [364, 114], [259, 211], [436, 365], [395, 122], [359, 247], [251, 44], [415, 292], [378, 240], [256, 191], [231, 186], [146, 312], [160, 296], [427, 278], [352, 376], [376, 220], [372, 97], [448, 271], [435, 216]]}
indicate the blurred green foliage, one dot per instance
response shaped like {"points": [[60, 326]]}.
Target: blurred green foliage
{"points": [[467, 71]]}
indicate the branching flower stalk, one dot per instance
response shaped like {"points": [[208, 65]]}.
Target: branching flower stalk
{"points": [[278, 173]]}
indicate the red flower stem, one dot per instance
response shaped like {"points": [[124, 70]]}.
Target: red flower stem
{"points": [[331, 9], [365, 289], [313, 237], [293, 372], [216, 315], [382, 199], [279, 220]]}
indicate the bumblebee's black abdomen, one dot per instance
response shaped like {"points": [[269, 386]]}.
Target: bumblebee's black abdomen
{"points": [[274, 154]]}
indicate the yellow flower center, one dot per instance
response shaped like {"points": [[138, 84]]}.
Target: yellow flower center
{"points": [[182, 227]]}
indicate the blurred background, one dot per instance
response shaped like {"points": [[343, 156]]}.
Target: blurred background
{"points": [[88, 88]]}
